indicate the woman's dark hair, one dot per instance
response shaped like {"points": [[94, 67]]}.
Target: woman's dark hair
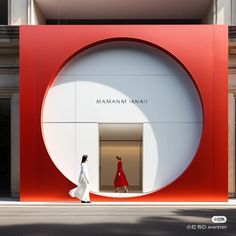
{"points": [[118, 158], [84, 158]]}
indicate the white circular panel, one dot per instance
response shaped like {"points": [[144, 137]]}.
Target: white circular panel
{"points": [[123, 82]]}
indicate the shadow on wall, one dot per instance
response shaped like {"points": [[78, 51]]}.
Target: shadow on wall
{"points": [[111, 70], [162, 222]]}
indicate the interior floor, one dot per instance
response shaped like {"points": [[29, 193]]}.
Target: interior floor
{"points": [[133, 189]]}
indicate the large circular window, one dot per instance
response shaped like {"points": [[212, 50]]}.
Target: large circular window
{"points": [[127, 99]]}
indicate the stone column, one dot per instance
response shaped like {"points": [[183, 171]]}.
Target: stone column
{"points": [[224, 12], [231, 143], [15, 145], [18, 12]]}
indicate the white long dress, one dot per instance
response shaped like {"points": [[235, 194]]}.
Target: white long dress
{"points": [[82, 190]]}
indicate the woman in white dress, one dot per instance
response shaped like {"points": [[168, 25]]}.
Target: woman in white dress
{"points": [[82, 190]]}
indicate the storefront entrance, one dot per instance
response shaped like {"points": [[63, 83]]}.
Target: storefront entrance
{"points": [[124, 140]]}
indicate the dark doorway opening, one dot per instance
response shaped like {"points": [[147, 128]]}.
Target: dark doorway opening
{"points": [[4, 12], [5, 146]]}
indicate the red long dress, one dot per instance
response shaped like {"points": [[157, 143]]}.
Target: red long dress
{"points": [[120, 180]]}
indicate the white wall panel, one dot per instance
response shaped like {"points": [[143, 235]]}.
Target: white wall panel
{"points": [[169, 99], [59, 139], [150, 158], [59, 105], [168, 149], [122, 58], [87, 143]]}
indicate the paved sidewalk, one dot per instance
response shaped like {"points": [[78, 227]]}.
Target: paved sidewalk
{"points": [[105, 219], [16, 202]]}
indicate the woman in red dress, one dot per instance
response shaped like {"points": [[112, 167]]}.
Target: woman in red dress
{"points": [[120, 179]]}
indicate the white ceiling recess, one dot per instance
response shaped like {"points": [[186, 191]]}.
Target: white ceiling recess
{"points": [[123, 9]]}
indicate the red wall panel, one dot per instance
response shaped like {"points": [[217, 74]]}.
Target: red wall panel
{"points": [[202, 50]]}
